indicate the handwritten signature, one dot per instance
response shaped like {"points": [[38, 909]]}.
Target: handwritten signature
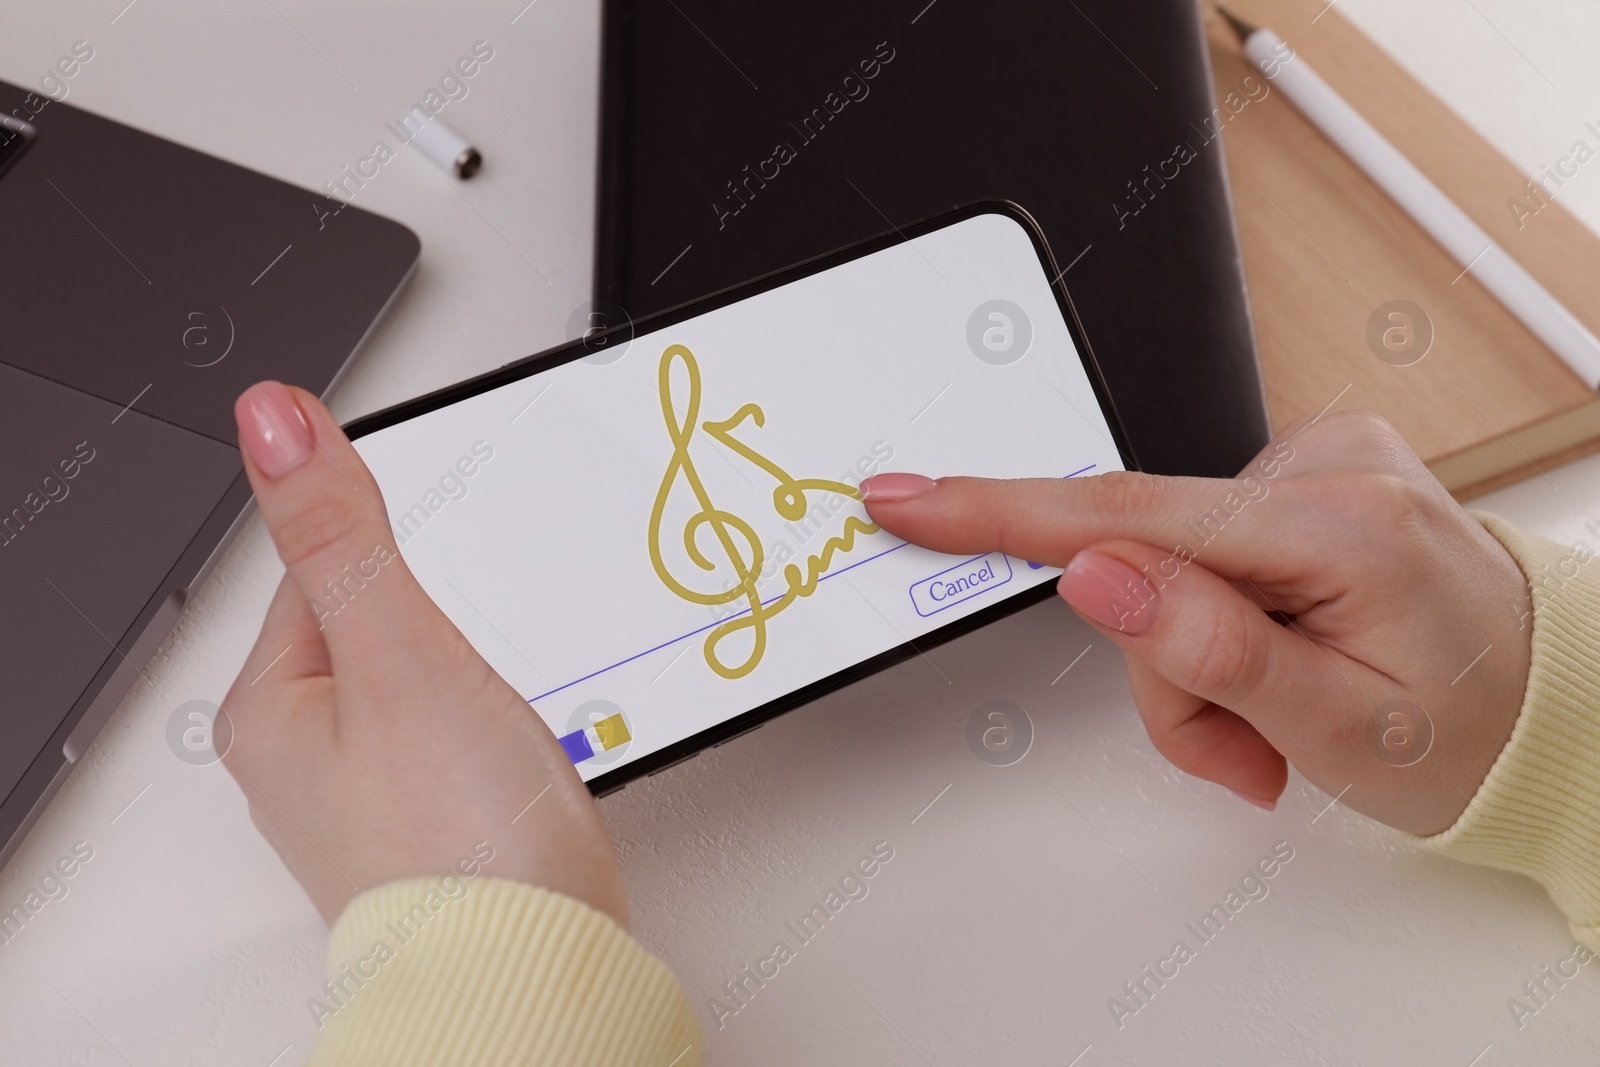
{"points": [[736, 537]]}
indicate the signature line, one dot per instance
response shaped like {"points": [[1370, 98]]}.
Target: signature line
{"points": [[730, 618], [708, 626]]}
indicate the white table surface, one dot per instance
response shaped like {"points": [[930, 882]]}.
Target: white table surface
{"points": [[1014, 907]]}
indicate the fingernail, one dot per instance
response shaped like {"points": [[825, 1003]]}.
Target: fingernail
{"points": [[272, 429], [1260, 802], [893, 488], [1110, 592]]}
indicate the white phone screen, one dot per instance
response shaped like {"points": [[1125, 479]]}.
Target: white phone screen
{"points": [[657, 539]]}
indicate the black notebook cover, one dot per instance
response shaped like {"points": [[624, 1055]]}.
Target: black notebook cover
{"points": [[737, 139]]}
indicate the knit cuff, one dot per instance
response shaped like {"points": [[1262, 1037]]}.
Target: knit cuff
{"points": [[494, 973], [1538, 810]]}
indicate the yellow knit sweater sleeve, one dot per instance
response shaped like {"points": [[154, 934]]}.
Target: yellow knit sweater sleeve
{"points": [[494, 973], [1538, 810]]}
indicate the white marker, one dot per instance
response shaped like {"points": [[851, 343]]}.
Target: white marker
{"points": [[1544, 316], [447, 148]]}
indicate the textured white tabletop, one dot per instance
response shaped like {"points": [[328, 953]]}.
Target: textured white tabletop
{"points": [[1019, 899]]}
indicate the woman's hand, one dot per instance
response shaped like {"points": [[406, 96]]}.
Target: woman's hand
{"points": [[1397, 681], [379, 745]]}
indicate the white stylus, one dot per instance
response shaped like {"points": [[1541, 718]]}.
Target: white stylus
{"points": [[1545, 316]]}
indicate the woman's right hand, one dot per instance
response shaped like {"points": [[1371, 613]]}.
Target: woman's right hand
{"points": [[1401, 674]]}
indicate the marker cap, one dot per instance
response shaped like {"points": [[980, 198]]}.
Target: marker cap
{"points": [[447, 148]]}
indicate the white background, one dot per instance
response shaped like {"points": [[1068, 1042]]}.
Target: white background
{"points": [[1015, 905]]}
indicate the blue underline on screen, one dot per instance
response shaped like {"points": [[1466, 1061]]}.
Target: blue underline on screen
{"points": [[713, 625]]}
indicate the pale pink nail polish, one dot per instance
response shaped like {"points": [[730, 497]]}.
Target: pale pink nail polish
{"points": [[894, 488], [1263, 804], [1110, 592], [273, 431]]}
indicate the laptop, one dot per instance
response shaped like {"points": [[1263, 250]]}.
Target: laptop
{"points": [[146, 285]]}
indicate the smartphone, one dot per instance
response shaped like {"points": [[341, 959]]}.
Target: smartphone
{"points": [[654, 533]]}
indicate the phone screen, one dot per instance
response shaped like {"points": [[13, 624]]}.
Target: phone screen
{"points": [[660, 543]]}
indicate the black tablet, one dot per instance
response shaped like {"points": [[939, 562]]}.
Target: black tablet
{"points": [[739, 138]]}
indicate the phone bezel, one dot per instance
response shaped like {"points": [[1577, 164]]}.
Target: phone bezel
{"points": [[633, 331]]}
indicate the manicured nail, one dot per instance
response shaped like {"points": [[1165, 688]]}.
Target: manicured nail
{"points": [[1260, 802], [893, 488], [272, 429], [1110, 592]]}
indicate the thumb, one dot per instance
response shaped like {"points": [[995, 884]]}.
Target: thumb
{"points": [[326, 516]]}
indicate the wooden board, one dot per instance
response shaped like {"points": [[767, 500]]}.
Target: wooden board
{"points": [[1324, 248]]}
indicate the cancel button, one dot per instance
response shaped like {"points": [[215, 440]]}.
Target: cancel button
{"points": [[961, 582]]}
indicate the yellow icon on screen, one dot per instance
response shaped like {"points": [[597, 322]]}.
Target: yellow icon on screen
{"points": [[612, 732]]}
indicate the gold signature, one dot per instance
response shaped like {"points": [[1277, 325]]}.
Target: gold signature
{"points": [[736, 537]]}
